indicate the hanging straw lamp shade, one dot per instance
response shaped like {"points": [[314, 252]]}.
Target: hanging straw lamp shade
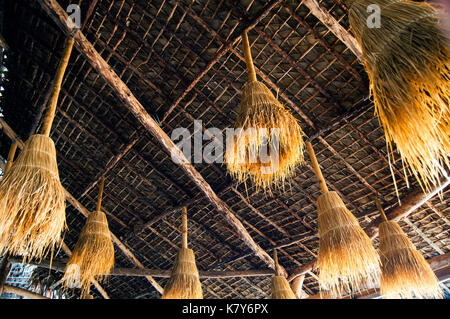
{"points": [[280, 286], [262, 121], [404, 271], [347, 260], [407, 59], [184, 281], [93, 255], [32, 199]]}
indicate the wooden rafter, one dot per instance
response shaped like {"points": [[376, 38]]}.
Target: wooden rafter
{"points": [[334, 26]]}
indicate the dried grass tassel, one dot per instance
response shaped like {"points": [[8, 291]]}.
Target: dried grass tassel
{"points": [[184, 281], [347, 260], [32, 199], [407, 59], [404, 271], [280, 286], [262, 126], [93, 255]]}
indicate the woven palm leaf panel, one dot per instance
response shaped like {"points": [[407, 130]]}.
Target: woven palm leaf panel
{"points": [[158, 48]]}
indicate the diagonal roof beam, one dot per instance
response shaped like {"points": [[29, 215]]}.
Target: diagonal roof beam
{"points": [[334, 26], [129, 101]]}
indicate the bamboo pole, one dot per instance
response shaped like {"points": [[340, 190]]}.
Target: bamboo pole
{"points": [[100, 194], [248, 58], [48, 120], [315, 164], [184, 227]]}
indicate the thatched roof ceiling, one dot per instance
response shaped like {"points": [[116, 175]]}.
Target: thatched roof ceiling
{"points": [[158, 48]]}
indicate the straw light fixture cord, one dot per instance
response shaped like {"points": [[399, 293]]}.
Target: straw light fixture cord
{"points": [[93, 255], [268, 142], [407, 59], [32, 199], [347, 260], [184, 281], [280, 286], [404, 271]]}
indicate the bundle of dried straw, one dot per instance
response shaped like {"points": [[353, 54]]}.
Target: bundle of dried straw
{"points": [[93, 255], [32, 199], [404, 271], [347, 260], [268, 143], [184, 281], [407, 59], [280, 286]]}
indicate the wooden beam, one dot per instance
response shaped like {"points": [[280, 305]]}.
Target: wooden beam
{"points": [[23, 292], [12, 135], [135, 107], [60, 265], [334, 26], [410, 203]]}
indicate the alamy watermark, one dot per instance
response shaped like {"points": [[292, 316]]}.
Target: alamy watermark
{"points": [[74, 18], [374, 18]]}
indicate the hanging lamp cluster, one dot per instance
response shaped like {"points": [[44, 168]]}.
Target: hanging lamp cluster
{"points": [[409, 78]]}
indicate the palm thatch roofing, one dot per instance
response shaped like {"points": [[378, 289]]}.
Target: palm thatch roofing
{"points": [[158, 48]]}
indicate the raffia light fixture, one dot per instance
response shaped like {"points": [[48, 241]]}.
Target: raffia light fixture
{"points": [[184, 281], [280, 286], [263, 124], [347, 260], [407, 59], [404, 271], [32, 199], [93, 255]]}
